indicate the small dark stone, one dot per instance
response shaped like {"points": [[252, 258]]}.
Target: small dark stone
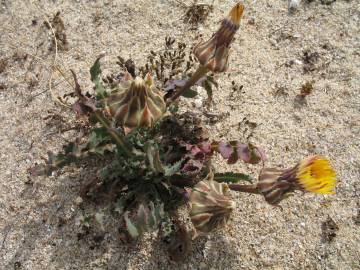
{"points": [[98, 238], [327, 2], [329, 230], [130, 67], [17, 265]]}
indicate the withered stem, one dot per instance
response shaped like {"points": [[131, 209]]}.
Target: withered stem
{"points": [[199, 73], [244, 188]]}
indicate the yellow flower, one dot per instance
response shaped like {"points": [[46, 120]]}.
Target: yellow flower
{"points": [[214, 53], [315, 174]]}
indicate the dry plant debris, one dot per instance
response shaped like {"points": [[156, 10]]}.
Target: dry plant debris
{"points": [[57, 25], [329, 230], [305, 90], [196, 13], [357, 216], [310, 60], [3, 65]]}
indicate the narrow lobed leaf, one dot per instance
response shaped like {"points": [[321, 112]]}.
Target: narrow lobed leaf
{"points": [[131, 228], [95, 72], [230, 177], [189, 93]]}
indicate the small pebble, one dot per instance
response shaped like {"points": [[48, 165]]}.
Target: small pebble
{"points": [[198, 103], [293, 5]]}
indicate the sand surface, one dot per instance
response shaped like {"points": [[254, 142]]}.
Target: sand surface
{"points": [[39, 219]]}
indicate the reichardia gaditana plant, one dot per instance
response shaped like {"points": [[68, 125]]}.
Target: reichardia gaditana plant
{"points": [[155, 159]]}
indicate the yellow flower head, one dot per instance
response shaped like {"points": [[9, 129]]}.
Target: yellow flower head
{"points": [[315, 174]]}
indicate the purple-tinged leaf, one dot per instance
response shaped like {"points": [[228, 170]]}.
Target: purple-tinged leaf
{"points": [[250, 153], [225, 149], [192, 167], [205, 146], [80, 109], [201, 81], [232, 151], [233, 158], [243, 152], [173, 84], [84, 101]]}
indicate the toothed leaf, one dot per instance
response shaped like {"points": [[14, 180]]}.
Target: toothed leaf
{"points": [[95, 72], [189, 93], [230, 177], [131, 228], [172, 169]]}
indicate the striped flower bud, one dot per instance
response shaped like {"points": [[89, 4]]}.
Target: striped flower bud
{"points": [[313, 174], [214, 53], [211, 205], [138, 104]]}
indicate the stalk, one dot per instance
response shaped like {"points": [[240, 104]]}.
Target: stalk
{"points": [[199, 73], [244, 188], [118, 138], [90, 104]]}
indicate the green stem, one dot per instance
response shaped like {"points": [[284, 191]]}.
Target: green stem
{"points": [[116, 136], [199, 73], [244, 188]]}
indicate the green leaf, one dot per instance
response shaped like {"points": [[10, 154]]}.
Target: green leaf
{"points": [[100, 141], [172, 169], [146, 219], [95, 72], [153, 219], [86, 221], [154, 159], [123, 147], [102, 149], [173, 108], [159, 211], [131, 228], [98, 136], [142, 218], [120, 205], [189, 93], [230, 177]]}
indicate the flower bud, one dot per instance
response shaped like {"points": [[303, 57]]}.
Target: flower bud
{"points": [[214, 53], [211, 205], [138, 104]]}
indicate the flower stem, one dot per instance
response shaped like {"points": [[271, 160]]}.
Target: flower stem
{"points": [[244, 188], [116, 136], [90, 105], [199, 73]]}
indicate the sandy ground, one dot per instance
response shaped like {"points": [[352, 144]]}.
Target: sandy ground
{"points": [[39, 220]]}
